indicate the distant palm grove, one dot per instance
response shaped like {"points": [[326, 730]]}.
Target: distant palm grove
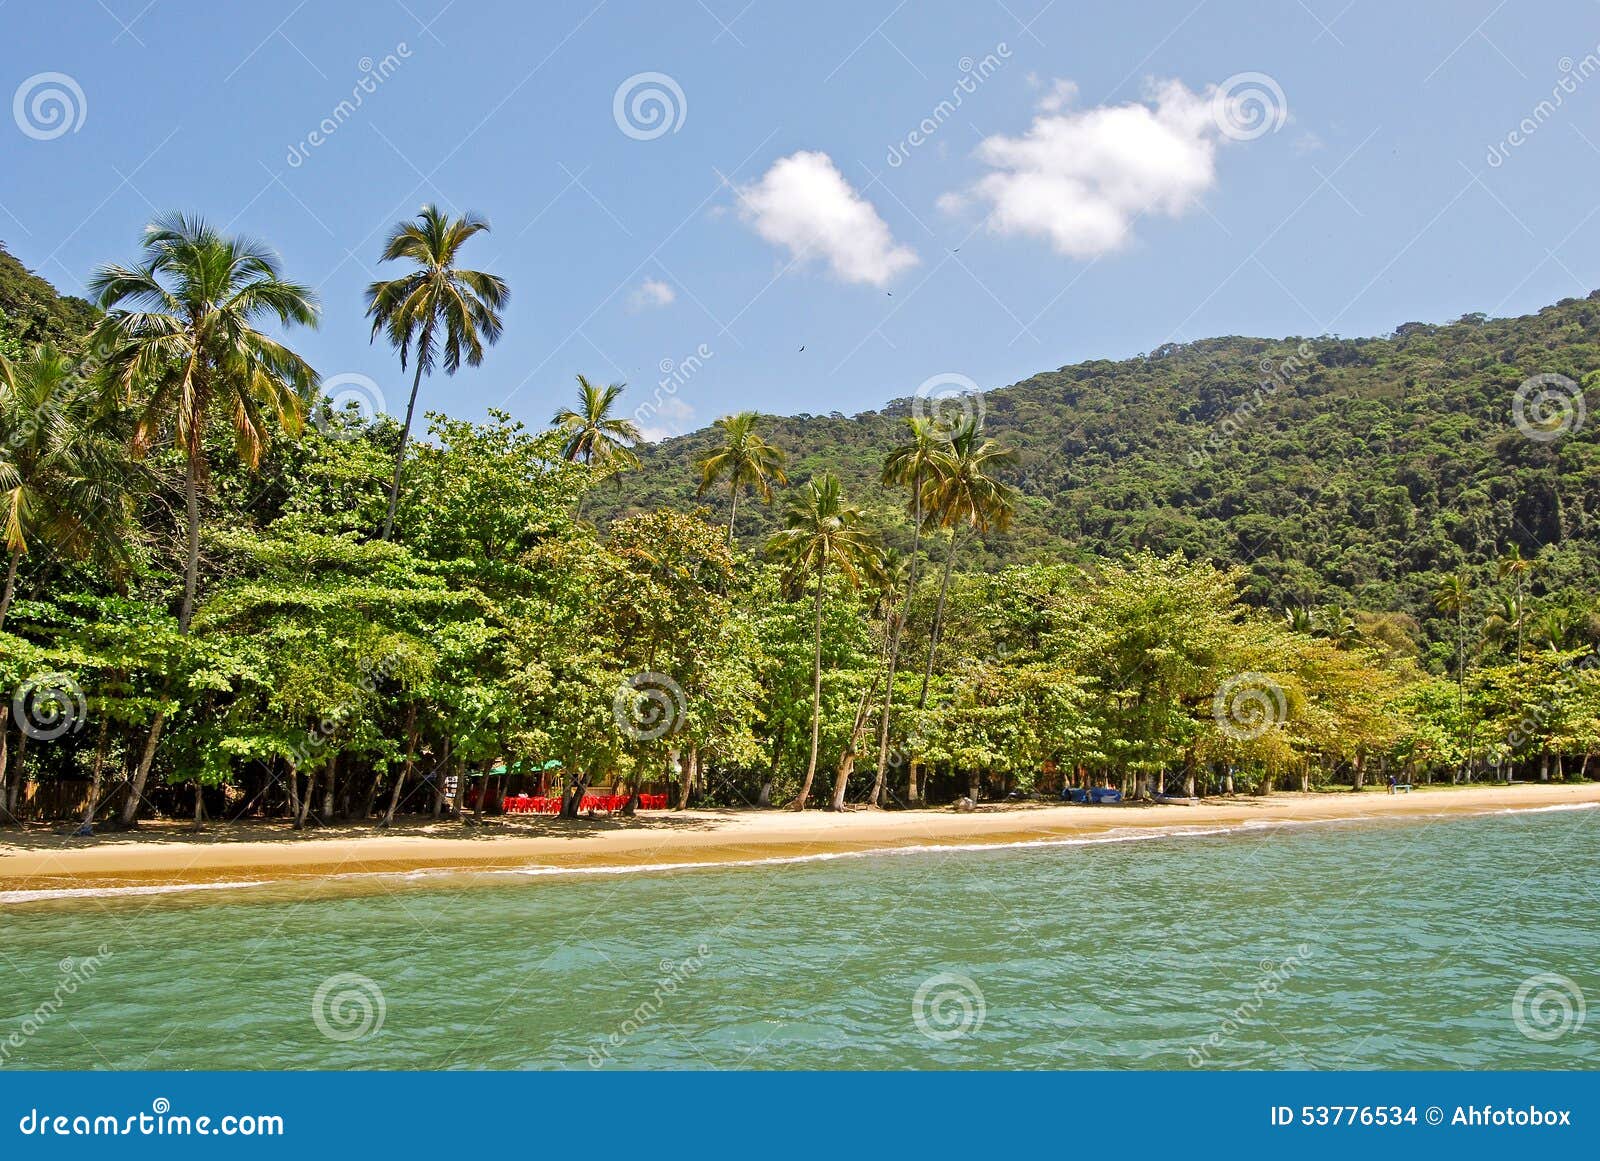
{"points": [[1233, 566]]}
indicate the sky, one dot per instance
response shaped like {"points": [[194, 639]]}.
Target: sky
{"points": [[822, 206]]}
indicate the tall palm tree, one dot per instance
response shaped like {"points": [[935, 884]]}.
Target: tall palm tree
{"points": [[910, 465], [594, 436], [1513, 566], [821, 531], [747, 461], [437, 305], [182, 345], [63, 469], [1453, 597], [964, 494], [892, 577]]}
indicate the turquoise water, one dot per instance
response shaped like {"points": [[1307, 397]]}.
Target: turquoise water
{"points": [[1370, 945]]}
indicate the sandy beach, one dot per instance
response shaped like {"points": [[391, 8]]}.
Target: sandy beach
{"points": [[168, 855]]}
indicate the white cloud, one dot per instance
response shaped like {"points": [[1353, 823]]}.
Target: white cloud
{"points": [[1079, 178], [652, 292], [805, 204], [659, 421]]}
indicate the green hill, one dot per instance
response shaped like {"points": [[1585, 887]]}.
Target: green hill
{"points": [[1355, 471]]}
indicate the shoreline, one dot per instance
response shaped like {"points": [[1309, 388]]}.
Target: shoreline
{"points": [[162, 858]]}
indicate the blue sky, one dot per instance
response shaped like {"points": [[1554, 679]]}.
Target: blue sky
{"points": [[1092, 195]]}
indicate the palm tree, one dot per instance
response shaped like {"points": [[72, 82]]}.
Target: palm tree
{"points": [[892, 576], [1508, 620], [181, 328], [1515, 567], [910, 465], [1453, 597], [962, 493], [594, 436], [437, 304], [1299, 619], [1557, 628], [62, 466], [182, 344], [745, 460], [821, 530]]}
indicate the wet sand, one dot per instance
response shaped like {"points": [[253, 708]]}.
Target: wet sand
{"points": [[167, 855]]}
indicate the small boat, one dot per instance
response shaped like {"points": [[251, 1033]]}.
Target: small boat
{"points": [[1175, 800]]}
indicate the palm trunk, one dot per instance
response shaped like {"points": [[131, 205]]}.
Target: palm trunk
{"points": [[10, 589], [191, 571], [894, 653], [294, 795], [733, 511], [400, 455], [938, 620], [816, 701]]}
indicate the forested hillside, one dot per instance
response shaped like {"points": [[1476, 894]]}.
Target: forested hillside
{"points": [[1352, 471]]}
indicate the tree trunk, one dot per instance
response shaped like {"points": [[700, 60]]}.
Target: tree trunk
{"points": [[328, 789], [191, 506], [841, 777], [458, 805], [688, 771], [87, 826], [400, 455], [1544, 766], [938, 622], [974, 786], [764, 796], [483, 792], [894, 643], [294, 796], [10, 589], [405, 771], [130, 808], [19, 778], [816, 701], [1358, 775], [913, 789], [733, 510]]}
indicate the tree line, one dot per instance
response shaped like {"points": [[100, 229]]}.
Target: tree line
{"points": [[224, 595]]}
